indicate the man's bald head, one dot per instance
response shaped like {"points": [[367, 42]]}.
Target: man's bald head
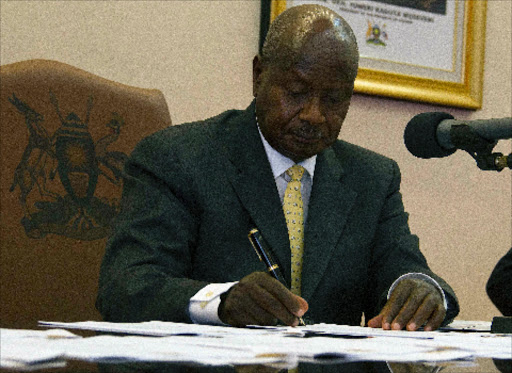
{"points": [[306, 28]]}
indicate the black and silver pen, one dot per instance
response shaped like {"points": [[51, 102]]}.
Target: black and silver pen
{"points": [[260, 246]]}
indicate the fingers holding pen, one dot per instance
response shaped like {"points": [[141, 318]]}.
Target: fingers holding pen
{"points": [[259, 299]]}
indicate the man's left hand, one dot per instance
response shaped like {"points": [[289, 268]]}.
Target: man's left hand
{"points": [[412, 304]]}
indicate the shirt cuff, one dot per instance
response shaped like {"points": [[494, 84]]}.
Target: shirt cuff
{"points": [[204, 305], [420, 276]]}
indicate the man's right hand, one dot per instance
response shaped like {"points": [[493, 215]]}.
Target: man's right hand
{"points": [[259, 299]]}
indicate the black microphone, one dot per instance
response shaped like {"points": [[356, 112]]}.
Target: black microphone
{"points": [[438, 134]]}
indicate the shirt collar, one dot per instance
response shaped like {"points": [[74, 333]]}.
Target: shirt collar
{"points": [[279, 163]]}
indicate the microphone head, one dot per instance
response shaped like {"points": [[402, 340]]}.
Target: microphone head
{"points": [[420, 135]]}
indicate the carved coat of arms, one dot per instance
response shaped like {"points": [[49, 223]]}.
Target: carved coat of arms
{"points": [[61, 171]]}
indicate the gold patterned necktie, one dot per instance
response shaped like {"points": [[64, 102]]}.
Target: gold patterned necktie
{"points": [[294, 215]]}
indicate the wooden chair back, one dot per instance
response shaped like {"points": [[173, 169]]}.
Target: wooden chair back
{"points": [[64, 136]]}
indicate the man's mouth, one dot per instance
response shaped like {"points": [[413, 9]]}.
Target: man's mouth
{"points": [[307, 133]]}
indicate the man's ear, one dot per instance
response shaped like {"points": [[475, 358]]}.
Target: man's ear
{"points": [[256, 74]]}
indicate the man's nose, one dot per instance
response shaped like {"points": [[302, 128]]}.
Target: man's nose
{"points": [[312, 111]]}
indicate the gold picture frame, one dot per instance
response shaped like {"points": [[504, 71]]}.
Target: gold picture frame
{"points": [[463, 88]]}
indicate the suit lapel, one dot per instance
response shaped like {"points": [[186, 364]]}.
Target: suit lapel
{"points": [[249, 172], [251, 177], [330, 202]]}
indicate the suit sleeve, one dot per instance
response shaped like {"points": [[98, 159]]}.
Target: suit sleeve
{"points": [[144, 273], [396, 251], [499, 285]]}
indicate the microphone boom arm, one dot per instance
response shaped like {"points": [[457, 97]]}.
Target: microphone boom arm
{"points": [[463, 137]]}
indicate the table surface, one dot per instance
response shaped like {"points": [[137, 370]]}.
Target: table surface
{"points": [[475, 366], [479, 365]]}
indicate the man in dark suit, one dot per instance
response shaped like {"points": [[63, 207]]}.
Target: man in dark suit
{"points": [[180, 252], [499, 286]]}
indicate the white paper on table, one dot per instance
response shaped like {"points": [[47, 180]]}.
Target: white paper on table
{"points": [[344, 342], [348, 349], [333, 329], [261, 349], [28, 352], [468, 326], [391, 344], [164, 328], [17, 365], [165, 349], [497, 346], [28, 349]]}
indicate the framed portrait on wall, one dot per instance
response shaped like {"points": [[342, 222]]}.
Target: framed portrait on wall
{"points": [[419, 50]]}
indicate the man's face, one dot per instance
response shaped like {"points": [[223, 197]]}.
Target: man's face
{"points": [[301, 109]]}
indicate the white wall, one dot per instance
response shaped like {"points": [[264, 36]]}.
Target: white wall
{"points": [[199, 54]]}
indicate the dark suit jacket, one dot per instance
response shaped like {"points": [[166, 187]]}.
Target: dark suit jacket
{"points": [[193, 193], [499, 286]]}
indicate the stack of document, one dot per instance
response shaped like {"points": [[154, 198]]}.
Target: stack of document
{"points": [[158, 341]]}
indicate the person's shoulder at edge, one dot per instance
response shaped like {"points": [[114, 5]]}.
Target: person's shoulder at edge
{"points": [[361, 158], [188, 135]]}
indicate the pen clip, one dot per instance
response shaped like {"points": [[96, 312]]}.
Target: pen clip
{"points": [[260, 246], [254, 242]]}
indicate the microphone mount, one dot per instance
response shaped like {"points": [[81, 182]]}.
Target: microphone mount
{"points": [[463, 137]]}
